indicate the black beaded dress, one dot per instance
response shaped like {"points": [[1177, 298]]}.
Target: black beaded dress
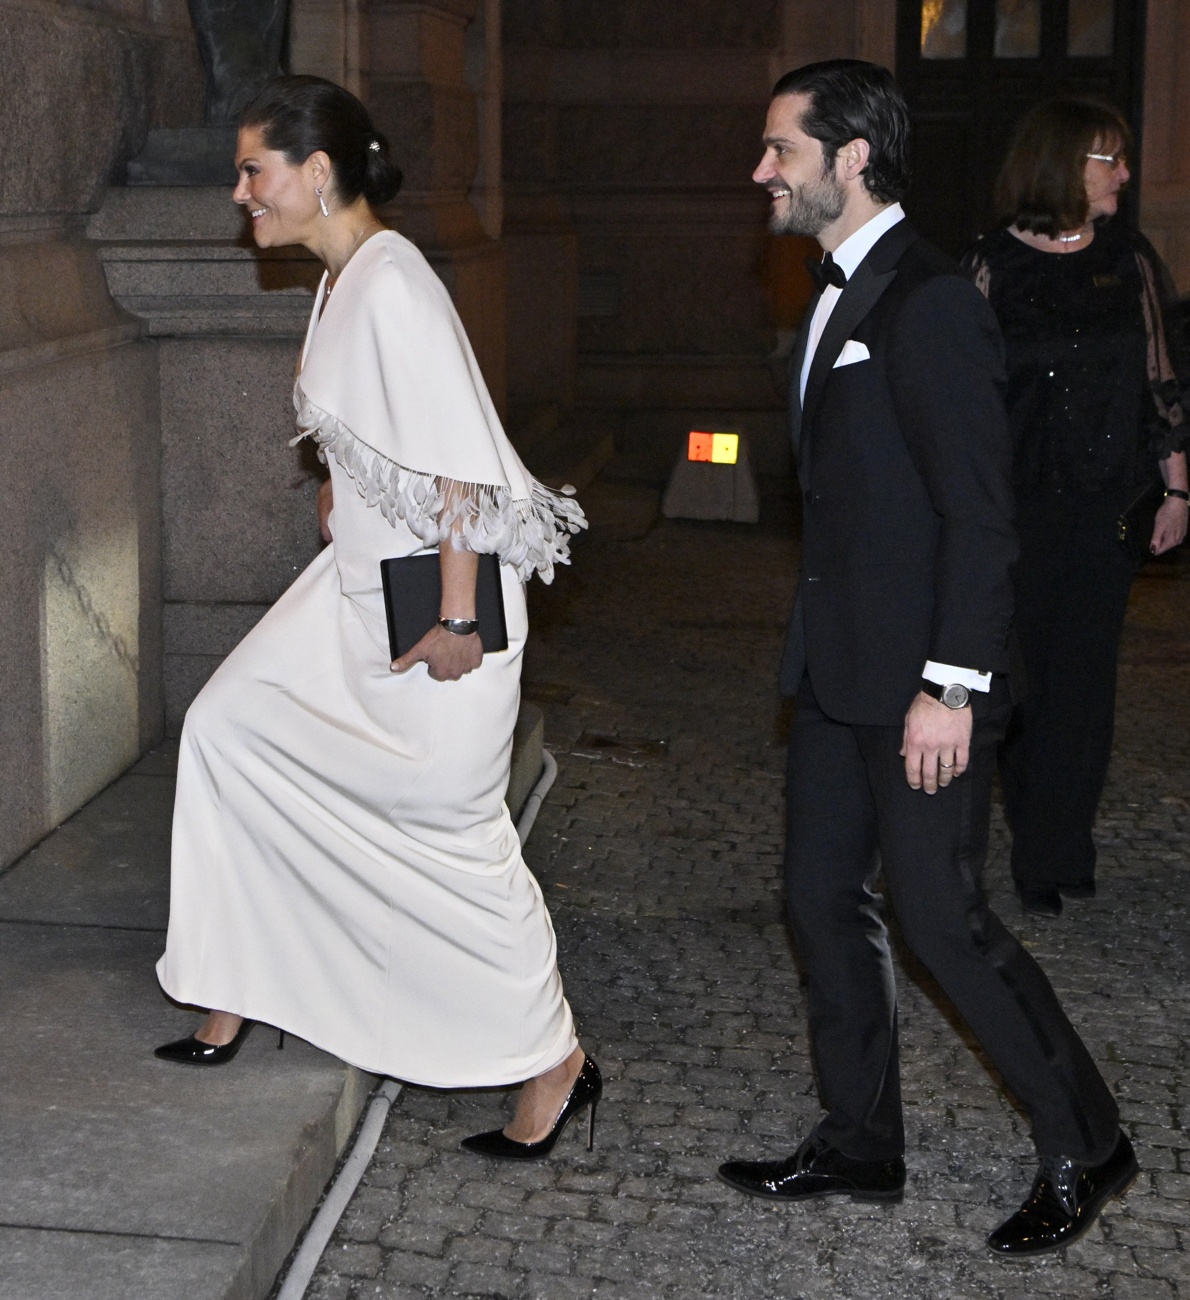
{"points": [[1093, 401]]}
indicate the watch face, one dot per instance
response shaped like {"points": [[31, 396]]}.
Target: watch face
{"points": [[955, 696]]}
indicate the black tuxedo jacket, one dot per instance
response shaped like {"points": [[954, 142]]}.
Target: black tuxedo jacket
{"points": [[904, 461]]}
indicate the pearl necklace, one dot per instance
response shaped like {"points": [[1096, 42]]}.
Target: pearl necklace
{"points": [[1072, 239]]}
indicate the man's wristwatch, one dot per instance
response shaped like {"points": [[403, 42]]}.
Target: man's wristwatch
{"points": [[953, 696]]}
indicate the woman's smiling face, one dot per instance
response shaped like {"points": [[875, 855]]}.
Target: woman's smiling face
{"points": [[279, 195], [1105, 180]]}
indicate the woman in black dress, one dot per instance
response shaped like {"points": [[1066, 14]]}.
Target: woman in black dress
{"points": [[1094, 402]]}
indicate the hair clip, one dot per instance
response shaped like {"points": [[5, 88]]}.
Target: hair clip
{"points": [[374, 145]]}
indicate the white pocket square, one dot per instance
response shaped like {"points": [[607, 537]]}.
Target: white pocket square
{"points": [[852, 352]]}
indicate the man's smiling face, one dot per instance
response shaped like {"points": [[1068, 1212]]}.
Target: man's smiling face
{"points": [[806, 196]]}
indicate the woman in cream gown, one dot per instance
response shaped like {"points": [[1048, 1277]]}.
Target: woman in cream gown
{"points": [[343, 862]]}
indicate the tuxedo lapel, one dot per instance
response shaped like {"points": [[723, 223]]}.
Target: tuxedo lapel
{"points": [[861, 293], [797, 357], [855, 302]]}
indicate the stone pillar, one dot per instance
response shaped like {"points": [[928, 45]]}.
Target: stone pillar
{"points": [[485, 77], [422, 97], [1165, 170], [329, 38], [239, 521]]}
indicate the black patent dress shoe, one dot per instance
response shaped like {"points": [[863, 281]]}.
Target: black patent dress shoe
{"points": [[586, 1091], [1065, 1201], [193, 1051], [1044, 901], [816, 1169]]}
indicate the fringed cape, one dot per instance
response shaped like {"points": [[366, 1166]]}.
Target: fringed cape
{"points": [[390, 387]]}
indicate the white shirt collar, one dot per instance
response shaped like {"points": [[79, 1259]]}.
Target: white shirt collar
{"points": [[852, 251]]}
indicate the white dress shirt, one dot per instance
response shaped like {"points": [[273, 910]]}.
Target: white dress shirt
{"points": [[850, 253]]}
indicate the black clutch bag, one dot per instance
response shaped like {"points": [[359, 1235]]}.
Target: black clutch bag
{"points": [[1134, 525], [413, 597]]}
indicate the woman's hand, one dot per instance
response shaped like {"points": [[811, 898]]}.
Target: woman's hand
{"points": [[1169, 528], [447, 655], [326, 503]]}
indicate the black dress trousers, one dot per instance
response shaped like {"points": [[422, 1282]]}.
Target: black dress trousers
{"points": [[852, 814], [1071, 585]]}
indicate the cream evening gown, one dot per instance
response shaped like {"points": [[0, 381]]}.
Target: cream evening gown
{"points": [[344, 865]]}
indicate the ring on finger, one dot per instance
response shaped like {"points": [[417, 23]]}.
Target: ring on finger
{"points": [[946, 767]]}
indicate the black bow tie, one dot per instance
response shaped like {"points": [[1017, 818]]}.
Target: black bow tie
{"points": [[828, 271]]}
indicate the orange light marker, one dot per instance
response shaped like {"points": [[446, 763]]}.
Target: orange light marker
{"points": [[701, 446]]}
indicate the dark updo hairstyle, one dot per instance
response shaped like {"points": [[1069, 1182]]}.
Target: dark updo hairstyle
{"points": [[1041, 187], [301, 115]]}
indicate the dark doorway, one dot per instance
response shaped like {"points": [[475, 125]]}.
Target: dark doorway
{"points": [[970, 68]]}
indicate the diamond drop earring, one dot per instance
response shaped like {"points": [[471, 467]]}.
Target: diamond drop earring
{"points": [[326, 212]]}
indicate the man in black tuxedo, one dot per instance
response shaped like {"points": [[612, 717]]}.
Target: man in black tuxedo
{"points": [[897, 653]]}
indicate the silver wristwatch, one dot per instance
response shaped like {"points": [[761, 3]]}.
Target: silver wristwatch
{"points": [[953, 696]]}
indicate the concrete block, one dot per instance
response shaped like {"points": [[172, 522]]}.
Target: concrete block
{"points": [[528, 738], [702, 490], [82, 691], [239, 503]]}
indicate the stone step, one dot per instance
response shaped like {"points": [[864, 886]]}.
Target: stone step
{"points": [[127, 1178]]}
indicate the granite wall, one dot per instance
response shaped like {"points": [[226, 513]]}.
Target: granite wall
{"points": [[80, 642], [631, 131]]}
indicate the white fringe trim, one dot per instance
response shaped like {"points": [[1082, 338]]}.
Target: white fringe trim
{"points": [[529, 534]]}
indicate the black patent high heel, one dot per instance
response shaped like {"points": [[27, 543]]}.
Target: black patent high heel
{"points": [[587, 1090], [193, 1051]]}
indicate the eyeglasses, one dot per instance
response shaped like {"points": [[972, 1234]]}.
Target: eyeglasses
{"points": [[1113, 160]]}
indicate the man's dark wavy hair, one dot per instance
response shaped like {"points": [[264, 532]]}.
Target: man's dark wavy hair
{"points": [[851, 99]]}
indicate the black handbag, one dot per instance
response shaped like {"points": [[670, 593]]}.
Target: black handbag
{"points": [[1134, 525], [413, 593]]}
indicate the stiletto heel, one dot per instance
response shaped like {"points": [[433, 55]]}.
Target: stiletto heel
{"points": [[193, 1051], [587, 1090], [280, 1039]]}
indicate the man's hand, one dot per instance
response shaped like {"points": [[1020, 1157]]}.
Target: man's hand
{"points": [[326, 503], [447, 656], [936, 744]]}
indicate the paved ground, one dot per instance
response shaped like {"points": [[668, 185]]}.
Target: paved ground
{"points": [[658, 851]]}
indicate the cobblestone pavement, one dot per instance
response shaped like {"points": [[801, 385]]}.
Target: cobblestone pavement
{"points": [[659, 852]]}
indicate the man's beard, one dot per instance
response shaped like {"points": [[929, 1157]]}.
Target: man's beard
{"points": [[810, 208]]}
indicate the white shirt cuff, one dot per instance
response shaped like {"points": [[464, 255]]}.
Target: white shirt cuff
{"points": [[949, 675]]}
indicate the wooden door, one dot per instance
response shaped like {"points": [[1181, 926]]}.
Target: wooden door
{"points": [[970, 68]]}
